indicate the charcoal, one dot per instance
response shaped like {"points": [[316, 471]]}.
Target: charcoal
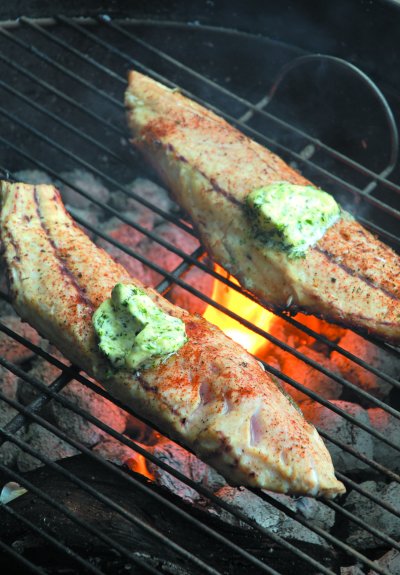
{"points": [[250, 505], [45, 443], [122, 233], [160, 256], [316, 512], [146, 508], [115, 451], [266, 515], [373, 514], [307, 375], [8, 385], [9, 452], [42, 370], [389, 426], [87, 215], [6, 308], [149, 191], [372, 355], [10, 349], [80, 428], [140, 431], [187, 464], [352, 570], [390, 561], [345, 431], [199, 280], [86, 182], [130, 237], [33, 177], [163, 257], [6, 413]]}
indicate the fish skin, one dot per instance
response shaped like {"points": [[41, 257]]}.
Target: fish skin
{"points": [[211, 395], [349, 277]]}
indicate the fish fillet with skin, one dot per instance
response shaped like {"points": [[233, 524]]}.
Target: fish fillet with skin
{"points": [[211, 395], [348, 277]]}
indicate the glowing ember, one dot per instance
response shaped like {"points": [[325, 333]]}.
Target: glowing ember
{"points": [[241, 305]]}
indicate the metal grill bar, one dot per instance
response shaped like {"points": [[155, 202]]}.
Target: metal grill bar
{"points": [[379, 343], [258, 110], [66, 403], [64, 97], [37, 404], [108, 150], [28, 564], [367, 494], [137, 484], [346, 185], [238, 318], [130, 443], [320, 531], [175, 277], [338, 509], [275, 372], [97, 422], [276, 145], [377, 466], [171, 470], [253, 108], [153, 236], [235, 287], [128, 192], [61, 68], [62, 122], [112, 153], [50, 539], [95, 493], [21, 479], [100, 391]]}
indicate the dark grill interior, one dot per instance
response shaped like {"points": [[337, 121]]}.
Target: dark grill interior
{"points": [[61, 97]]}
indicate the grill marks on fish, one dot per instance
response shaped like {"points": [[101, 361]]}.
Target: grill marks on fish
{"points": [[68, 275], [152, 138], [349, 241], [349, 277], [208, 370], [332, 258]]}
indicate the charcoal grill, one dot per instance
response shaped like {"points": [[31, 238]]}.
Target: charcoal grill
{"points": [[62, 84]]}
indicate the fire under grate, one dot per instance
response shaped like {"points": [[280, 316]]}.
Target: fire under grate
{"points": [[61, 111]]}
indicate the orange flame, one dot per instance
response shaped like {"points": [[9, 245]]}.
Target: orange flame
{"points": [[241, 305], [138, 464]]}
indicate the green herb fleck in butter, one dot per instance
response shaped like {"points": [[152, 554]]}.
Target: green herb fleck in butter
{"points": [[133, 331], [291, 217]]}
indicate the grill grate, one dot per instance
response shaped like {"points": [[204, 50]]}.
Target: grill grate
{"points": [[44, 45]]}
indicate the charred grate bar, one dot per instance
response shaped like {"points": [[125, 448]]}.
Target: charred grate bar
{"points": [[32, 411]]}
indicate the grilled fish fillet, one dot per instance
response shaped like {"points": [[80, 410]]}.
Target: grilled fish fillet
{"points": [[211, 395], [348, 277]]}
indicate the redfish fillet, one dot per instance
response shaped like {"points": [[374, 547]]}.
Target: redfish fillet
{"points": [[348, 277], [211, 395]]}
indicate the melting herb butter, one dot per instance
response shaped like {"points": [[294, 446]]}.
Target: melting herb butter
{"points": [[291, 217], [133, 331]]}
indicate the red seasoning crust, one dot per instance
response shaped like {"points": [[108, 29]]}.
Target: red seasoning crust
{"points": [[349, 277], [211, 395]]}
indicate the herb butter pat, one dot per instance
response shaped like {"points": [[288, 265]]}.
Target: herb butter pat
{"points": [[133, 331], [291, 217]]}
